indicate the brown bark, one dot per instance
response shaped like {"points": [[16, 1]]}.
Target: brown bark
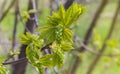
{"points": [[88, 35], [97, 58], [20, 68], [68, 3]]}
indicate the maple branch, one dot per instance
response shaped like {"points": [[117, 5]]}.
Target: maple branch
{"points": [[95, 52], [16, 61]]}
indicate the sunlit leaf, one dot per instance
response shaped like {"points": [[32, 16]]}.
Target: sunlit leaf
{"points": [[48, 34], [73, 13], [59, 58], [47, 61], [40, 68], [67, 35], [66, 46]]}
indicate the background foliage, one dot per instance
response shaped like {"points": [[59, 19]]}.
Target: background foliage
{"points": [[110, 58]]}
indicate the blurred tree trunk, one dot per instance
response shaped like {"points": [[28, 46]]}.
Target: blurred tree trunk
{"points": [[15, 26], [51, 6], [97, 58], [68, 3], [2, 6], [88, 35], [54, 5], [20, 68]]}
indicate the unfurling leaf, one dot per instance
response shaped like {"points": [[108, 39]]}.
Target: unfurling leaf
{"points": [[26, 38], [67, 35], [58, 58], [57, 32], [61, 13], [33, 51], [57, 25], [47, 61], [40, 68], [73, 13], [48, 33], [30, 53], [66, 46], [25, 15]]}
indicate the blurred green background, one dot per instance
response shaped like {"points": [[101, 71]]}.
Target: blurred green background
{"points": [[106, 65]]}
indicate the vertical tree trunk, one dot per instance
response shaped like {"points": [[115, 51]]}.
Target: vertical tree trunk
{"points": [[20, 68], [15, 25]]}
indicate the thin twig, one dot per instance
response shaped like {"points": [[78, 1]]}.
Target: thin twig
{"points": [[15, 26], [7, 10], [16, 61], [95, 52], [5, 62], [9, 57]]}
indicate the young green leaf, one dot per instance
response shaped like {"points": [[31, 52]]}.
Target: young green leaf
{"points": [[67, 35], [61, 13], [66, 47], [73, 13], [58, 58], [40, 68], [26, 38], [33, 51], [25, 15], [48, 33], [47, 61], [30, 54]]}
